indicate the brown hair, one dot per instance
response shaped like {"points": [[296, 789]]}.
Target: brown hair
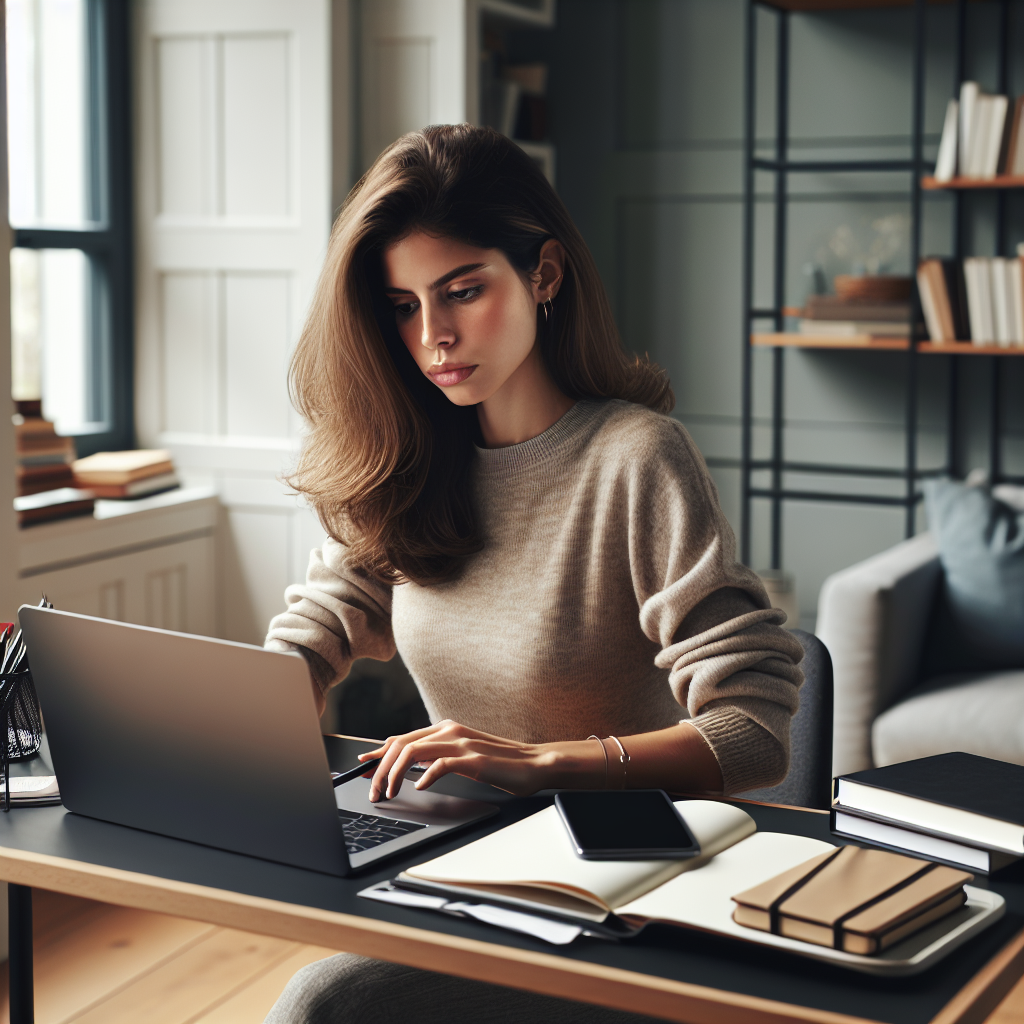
{"points": [[387, 457]]}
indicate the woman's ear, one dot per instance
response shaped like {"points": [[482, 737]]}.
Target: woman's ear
{"points": [[547, 278]]}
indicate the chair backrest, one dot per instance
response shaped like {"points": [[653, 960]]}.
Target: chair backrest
{"points": [[809, 782]]}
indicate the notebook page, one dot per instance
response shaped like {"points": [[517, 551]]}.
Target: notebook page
{"points": [[703, 898], [537, 852]]}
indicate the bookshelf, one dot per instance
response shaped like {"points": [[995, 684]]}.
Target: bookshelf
{"points": [[491, 20], [764, 328]]}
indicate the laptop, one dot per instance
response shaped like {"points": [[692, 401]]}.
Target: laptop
{"points": [[211, 741]]}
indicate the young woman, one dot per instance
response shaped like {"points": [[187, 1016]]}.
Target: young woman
{"points": [[509, 507]]}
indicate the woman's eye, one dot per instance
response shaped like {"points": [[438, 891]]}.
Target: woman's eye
{"points": [[406, 308], [464, 294]]}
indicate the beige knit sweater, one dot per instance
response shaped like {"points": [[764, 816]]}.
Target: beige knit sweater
{"points": [[607, 598]]}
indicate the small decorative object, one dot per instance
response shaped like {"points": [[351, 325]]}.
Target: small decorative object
{"points": [[21, 725], [872, 288]]}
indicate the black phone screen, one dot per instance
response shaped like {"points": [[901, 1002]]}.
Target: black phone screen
{"points": [[639, 824]]}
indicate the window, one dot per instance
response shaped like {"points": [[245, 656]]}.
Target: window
{"points": [[70, 208]]}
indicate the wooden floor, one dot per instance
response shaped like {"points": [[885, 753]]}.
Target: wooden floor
{"points": [[96, 964]]}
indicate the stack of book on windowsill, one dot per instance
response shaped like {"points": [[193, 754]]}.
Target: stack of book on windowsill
{"points": [[957, 808], [45, 484], [131, 474]]}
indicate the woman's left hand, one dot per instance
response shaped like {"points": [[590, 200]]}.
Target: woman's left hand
{"points": [[517, 768]]}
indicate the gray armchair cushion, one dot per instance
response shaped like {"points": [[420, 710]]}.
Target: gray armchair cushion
{"points": [[979, 713], [979, 621], [872, 618]]}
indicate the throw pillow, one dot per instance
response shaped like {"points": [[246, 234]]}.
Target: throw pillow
{"points": [[981, 545]]}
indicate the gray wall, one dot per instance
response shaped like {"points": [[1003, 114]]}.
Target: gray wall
{"points": [[647, 117]]}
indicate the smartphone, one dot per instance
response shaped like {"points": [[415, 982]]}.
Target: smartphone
{"points": [[632, 824]]}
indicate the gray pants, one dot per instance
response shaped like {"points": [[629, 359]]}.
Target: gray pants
{"points": [[350, 989]]}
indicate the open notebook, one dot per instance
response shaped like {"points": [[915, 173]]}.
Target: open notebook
{"points": [[531, 865], [527, 878]]}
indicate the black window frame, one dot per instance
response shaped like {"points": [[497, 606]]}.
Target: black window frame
{"points": [[107, 241]]}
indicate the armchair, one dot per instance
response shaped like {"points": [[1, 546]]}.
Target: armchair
{"points": [[879, 619]]}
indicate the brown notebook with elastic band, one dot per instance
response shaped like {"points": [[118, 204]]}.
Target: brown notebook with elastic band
{"points": [[859, 901]]}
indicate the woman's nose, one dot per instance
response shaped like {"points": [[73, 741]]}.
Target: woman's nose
{"points": [[437, 332]]}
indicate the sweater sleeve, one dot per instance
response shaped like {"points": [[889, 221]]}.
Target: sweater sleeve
{"points": [[730, 663], [339, 614]]}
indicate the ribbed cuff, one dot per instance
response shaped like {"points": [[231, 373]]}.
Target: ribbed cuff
{"points": [[749, 756]]}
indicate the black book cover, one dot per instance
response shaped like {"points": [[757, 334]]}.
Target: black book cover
{"points": [[956, 289], [994, 789]]}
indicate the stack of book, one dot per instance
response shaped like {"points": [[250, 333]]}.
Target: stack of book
{"points": [[958, 809], [982, 136], [980, 299], [44, 457], [131, 474], [45, 482], [835, 316]]}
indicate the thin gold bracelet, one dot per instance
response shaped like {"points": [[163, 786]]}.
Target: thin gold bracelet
{"points": [[623, 758], [605, 752]]}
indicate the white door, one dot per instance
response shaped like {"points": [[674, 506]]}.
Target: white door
{"points": [[233, 214], [413, 56]]}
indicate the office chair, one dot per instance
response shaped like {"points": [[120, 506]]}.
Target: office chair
{"points": [[809, 782]]}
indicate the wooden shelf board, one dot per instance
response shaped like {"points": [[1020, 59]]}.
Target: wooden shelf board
{"points": [[865, 342], [967, 348], [857, 341], [1000, 181]]}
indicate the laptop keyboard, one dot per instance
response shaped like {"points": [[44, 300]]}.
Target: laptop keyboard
{"points": [[365, 831]]}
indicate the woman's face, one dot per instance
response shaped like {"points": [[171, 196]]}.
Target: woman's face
{"points": [[466, 315]]}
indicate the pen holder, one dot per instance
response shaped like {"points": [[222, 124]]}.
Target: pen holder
{"points": [[21, 727]]}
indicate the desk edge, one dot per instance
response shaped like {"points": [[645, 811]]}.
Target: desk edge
{"points": [[434, 951]]}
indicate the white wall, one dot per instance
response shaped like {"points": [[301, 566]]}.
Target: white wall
{"points": [[234, 195]]}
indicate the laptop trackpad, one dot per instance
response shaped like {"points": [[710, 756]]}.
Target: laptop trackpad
{"points": [[412, 805]]}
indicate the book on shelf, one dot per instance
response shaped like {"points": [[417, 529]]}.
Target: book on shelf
{"points": [[137, 488], [42, 456], [121, 468], [979, 300], [981, 136], [1015, 143], [60, 503], [852, 328], [967, 800], [833, 307]]}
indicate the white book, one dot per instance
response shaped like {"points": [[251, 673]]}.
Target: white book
{"points": [[999, 283], [996, 128], [975, 273], [968, 101], [988, 320], [1015, 286], [978, 145], [945, 163]]}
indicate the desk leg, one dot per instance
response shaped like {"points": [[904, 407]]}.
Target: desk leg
{"points": [[19, 931]]}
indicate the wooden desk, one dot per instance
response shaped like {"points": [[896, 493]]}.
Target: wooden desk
{"points": [[666, 972]]}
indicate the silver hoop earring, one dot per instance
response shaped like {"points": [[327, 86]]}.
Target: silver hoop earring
{"points": [[549, 309]]}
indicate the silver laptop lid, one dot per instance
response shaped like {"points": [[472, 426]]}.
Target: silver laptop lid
{"points": [[200, 739]]}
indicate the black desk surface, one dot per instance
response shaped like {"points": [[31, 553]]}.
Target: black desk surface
{"points": [[662, 951]]}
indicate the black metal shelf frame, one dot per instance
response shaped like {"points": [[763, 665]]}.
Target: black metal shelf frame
{"points": [[781, 166], [108, 240]]}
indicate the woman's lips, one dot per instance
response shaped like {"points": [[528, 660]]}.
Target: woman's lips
{"points": [[447, 377]]}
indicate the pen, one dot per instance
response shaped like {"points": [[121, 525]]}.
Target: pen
{"points": [[340, 778]]}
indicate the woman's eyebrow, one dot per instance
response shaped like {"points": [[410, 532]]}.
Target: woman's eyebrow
{"points": [[441, 281]]}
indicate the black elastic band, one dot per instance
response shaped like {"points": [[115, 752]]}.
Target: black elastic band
{"points": [[773, 910]]}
